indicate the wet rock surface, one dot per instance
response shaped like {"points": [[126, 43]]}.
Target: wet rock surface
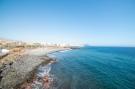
{"points": [[42, 78]]}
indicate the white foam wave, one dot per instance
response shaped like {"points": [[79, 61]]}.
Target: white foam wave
{"points": [[65, 50], [44, 70]]}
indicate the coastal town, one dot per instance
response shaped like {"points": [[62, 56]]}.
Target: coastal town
{"points": [[14, 48]]}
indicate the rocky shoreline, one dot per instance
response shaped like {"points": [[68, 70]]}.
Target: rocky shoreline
{"points": [[14, 74], [21, 70]]}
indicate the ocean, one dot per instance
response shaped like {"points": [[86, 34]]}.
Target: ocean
{"points": [[95, 68]]}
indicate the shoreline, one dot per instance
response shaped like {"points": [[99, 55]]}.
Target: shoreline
{"points": [[46, 50], [25, 66], [41, 78]]}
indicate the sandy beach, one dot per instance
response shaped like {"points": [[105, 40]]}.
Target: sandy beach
{"points": [[45, 50]]}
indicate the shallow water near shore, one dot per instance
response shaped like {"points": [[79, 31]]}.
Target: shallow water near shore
{"points": [[95, 68]]}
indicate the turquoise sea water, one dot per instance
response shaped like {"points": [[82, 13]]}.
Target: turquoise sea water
{"points": [[95, 68]]}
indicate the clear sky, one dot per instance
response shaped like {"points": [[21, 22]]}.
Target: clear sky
{"points": [[95, 22]]}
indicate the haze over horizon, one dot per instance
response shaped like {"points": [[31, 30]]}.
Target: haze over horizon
{"points": [[94, 22]]}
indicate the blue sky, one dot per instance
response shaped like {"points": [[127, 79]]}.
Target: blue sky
{"points": [[94, 22]]}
